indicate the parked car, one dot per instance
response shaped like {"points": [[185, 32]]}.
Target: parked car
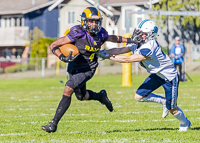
{"points": [[5, 63]]}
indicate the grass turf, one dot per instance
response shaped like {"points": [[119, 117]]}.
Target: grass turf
{"points": [[27, 104]]}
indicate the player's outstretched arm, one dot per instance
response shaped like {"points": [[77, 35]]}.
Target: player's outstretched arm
{"points": [[117, 51], [105, 54], [118, 39], [128, 59]]}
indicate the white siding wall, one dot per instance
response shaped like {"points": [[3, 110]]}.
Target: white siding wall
{"points": [[76, 6]]}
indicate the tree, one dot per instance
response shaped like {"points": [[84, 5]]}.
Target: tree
{"points": [[39, 43], [190, 24]]}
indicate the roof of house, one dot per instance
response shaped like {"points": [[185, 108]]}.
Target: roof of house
{"points": [[92, 2], [25, 6], [22, 6], [122, 2]]}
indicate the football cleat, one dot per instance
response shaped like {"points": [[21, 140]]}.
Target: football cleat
{"points": [[51, 127], [105, 101], [165, 111], [184, 128]]}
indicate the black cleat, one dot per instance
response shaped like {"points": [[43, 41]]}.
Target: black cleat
{"points": [[105, 101], [51, 127]]}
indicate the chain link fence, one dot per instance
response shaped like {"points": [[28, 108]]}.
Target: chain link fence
{"points": [[39, 67]]}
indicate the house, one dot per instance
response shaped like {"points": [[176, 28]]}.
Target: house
{"points": [[18, 17], [115, 14]]}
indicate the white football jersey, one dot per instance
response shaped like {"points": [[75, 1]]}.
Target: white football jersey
{"points": [[156, 62]]}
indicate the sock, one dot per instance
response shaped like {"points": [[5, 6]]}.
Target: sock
{"points": [[94, 95], [62, 108], [154, 98], [181, 117]]}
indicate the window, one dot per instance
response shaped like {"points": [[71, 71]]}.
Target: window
{"points": [[70, 17], [128, 18], [138, 17], [10, 21], [7, 22]]}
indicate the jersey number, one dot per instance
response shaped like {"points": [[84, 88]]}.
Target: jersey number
{"points": [[92, 57]]}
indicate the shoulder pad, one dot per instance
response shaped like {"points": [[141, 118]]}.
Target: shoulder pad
{"points": [[78, 29], [76, 32]]}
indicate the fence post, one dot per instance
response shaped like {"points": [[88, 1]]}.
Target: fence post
{"points": [[43, 67], [57, 66]]}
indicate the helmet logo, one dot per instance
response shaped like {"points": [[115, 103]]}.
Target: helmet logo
{"points": [[155, 29], [90, 15]]}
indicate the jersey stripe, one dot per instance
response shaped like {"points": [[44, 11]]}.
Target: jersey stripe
{"points": [[145, 52], [174, 92]]}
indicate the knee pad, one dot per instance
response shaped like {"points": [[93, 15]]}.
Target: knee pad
{"points": [[79, 96]]}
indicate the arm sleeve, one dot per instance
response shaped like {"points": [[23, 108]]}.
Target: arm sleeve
{"points": [[132, 46], [75, 33], [104, 35]]}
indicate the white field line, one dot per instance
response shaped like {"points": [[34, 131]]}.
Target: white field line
{"points": [[122, 121], [124, 113], [61, 87], [193, 105], [98, 121], [115, 140], [13, 134]]}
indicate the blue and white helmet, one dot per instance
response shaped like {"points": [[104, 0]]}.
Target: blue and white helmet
{"points": [[148, 27]]}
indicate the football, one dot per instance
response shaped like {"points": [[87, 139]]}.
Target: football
{"points": [[65, 49]]}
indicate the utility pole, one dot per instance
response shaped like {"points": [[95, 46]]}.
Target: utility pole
{"points": [[167, 24], [150, 5], [97, 4]]}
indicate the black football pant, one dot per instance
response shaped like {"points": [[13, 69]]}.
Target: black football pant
{"points": [[77, 81]]}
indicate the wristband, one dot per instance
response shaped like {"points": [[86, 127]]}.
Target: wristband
{"points": [[54, 49], [129, 40], [120, 39], [60, 57]]}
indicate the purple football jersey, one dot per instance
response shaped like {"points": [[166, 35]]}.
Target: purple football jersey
{"points": [[87, 46]]}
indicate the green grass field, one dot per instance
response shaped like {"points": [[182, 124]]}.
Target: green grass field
{"points": [[27, 104]]}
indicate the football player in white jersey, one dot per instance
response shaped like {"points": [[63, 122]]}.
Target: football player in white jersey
{"points": [[149, 54]]}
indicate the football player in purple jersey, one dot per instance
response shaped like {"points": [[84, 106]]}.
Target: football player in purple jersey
{"points": [[88, 37]]}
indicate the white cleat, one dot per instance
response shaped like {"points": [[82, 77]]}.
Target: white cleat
{"points": [[165, 111], [184, 128]]}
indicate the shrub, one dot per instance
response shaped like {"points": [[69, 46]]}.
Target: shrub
{"points": [[14, 68]]}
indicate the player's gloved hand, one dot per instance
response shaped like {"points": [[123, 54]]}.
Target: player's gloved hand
{"points": [[69, 58], [136, 38], [102, 54]]}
